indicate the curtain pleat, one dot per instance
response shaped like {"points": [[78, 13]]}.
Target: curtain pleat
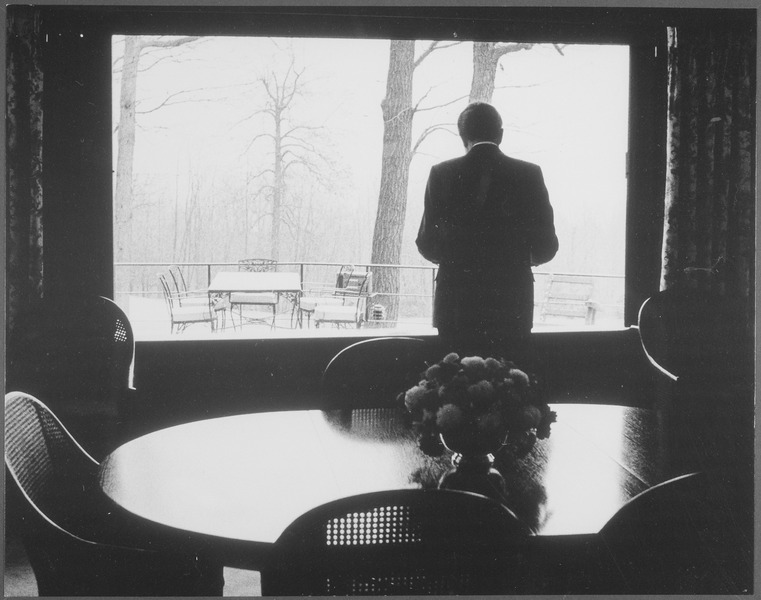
{"points": [[709, 221], [24, 255]]}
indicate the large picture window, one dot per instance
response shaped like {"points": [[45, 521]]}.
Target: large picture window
{"points": [[228, 149]]}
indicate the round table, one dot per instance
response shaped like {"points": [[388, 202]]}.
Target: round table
{"points": [[240, 480]]}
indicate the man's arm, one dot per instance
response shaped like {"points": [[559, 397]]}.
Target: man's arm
{"points": [[541, 235], [429, 235]]}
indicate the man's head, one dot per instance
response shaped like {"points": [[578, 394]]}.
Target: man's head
{"points": [[480, 122]]}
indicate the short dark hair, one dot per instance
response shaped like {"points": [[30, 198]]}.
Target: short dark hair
{"points": [[479, 122]]}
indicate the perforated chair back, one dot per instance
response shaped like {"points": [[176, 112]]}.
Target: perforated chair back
{"points": [[371, 373], [400, 542]]}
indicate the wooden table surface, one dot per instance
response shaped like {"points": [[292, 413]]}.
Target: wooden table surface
{"points": [[244, 478]]}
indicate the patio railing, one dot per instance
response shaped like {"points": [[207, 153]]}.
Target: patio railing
{"points": [[138, 291]]}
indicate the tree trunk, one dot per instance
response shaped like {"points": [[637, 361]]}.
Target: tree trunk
{"points": [[278, 191], [392, 200], [485, 61], [126, 150], [486, 57]]}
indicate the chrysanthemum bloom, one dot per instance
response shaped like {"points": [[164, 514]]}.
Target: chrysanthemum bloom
{"points": [[449, 417], [413, 397]]}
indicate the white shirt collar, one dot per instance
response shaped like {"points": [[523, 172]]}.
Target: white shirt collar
{"points": [[479, 143]]}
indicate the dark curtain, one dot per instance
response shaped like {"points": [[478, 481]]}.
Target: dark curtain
{"points": [[708, 240], [24, 163]]}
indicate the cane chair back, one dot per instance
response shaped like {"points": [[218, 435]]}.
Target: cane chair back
{"points": [[394, 542], [371, 373], [71, 532], [80, 357]]}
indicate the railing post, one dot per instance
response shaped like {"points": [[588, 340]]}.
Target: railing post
{"points": [[433, 288], [208, 274]]}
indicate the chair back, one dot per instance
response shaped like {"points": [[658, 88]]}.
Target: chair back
{"points": [[51, 469], [178, 279], [80, 358], [695, 335], [568, 297], [71, 532], [344, 276], [257, 265], [689, 535], [371, 373], [410, 541], [170, 295]]}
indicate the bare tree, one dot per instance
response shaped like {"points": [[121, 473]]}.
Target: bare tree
{"points": [[486, 61], [291, 148], [134, 47], [398, 113]]}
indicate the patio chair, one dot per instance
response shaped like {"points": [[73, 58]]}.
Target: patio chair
{"points": [[78, 542], [371, 373], [568, 297], [196, 298], [324, 295], [351, 305], [266, 299], [410, 541], [181, 316]]}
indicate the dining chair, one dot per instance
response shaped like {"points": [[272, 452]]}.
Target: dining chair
{"points": [[325, 295], [268, 300], [695, 336], [703, 372], [182, 316], [80, 357], [372, 372], [79, 543], [409, 541], [692, 534], [349, 305]]}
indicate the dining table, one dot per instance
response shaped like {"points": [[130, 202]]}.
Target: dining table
{"points": [[236, 482]]}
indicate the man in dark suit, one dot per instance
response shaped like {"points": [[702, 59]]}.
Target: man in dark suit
{"points": [[487, 221]]}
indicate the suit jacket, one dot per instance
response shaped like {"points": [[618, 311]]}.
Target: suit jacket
{"points": [[487, 220]]}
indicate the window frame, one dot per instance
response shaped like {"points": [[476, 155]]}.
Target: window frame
{"points": [[77, 143]]}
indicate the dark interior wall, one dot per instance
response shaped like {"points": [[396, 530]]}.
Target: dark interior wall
{"points": [[239, 376]]}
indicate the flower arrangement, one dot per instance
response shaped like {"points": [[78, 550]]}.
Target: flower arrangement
{"points": [[477, 405]]}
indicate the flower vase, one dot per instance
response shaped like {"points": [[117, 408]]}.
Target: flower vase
{"points": [[472, 464]]}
